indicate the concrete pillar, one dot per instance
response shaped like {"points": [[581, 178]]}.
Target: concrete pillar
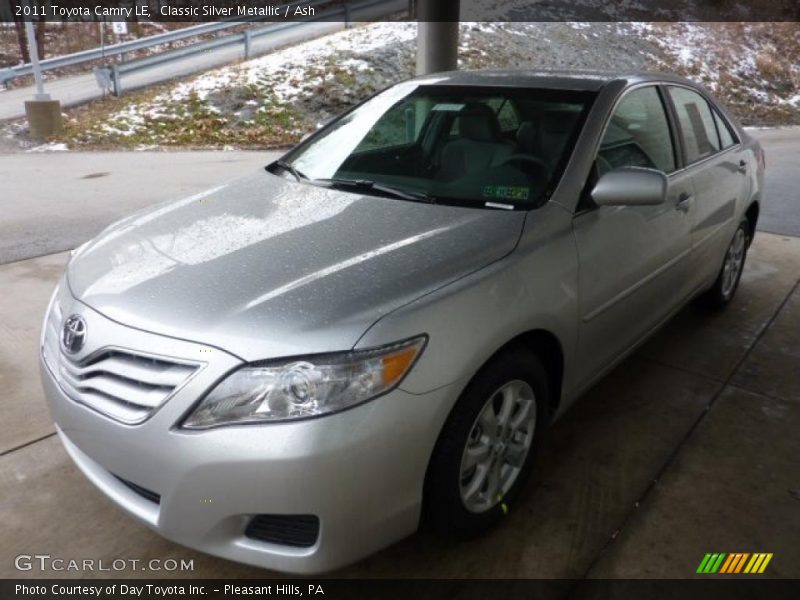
{"points": [[437, 35], [44, 118], [44, 114]]}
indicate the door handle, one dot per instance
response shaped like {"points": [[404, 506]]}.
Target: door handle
{"points": [[684, 202], [742, 166]]}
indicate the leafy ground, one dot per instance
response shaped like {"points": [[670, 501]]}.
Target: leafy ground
{"points": [[272, 101]]}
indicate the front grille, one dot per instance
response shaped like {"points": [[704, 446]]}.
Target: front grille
{"points": [[143, 492], [300, 531], [123, 384]]}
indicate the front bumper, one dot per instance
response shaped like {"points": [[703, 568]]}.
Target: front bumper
{"points": [[360, 472]]}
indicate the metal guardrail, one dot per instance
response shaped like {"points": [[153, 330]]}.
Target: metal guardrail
{"points": [[110, 77], [76, 58]]}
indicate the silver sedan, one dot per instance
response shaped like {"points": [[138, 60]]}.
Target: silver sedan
{"points": [[301, 367]]}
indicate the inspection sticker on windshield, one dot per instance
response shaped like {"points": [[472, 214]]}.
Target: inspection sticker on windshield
{"points": [[444, 106], [506, 192]]}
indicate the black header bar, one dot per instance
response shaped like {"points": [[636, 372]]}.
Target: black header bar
{"points": [[370, 10], [394, 589]]}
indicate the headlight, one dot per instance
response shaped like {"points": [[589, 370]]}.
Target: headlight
{"points": [[302, 388]]}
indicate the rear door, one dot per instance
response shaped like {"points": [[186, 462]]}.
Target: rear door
{"points": [[717, 166], [633, 259]]}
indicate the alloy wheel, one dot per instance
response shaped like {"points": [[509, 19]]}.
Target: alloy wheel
{"points": [[734, 261], [497, 446]]}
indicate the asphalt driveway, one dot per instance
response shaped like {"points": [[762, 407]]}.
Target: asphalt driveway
{"points": [[55, 201], [782, 210]]}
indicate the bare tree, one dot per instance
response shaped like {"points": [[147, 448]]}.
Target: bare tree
{"points": [[19, 24], [136, 29]]}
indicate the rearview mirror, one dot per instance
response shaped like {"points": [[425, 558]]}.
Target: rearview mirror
{"points": [[630, 186]]}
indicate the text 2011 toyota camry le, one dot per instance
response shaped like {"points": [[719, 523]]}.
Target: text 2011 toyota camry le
{"points": [[297, 369]]}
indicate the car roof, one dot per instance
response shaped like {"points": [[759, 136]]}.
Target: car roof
{"points": [[549, 79]]}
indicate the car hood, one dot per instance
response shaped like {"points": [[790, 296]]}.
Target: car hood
{"points": [[265, 267]]}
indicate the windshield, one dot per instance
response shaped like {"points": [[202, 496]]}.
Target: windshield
{"points": [[491, 147]]}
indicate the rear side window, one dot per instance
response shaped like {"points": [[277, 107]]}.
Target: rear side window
{"points": [[638, 134], [725, 136], [696, 124]]}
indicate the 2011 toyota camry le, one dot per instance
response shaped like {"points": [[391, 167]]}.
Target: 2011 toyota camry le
{"points": [[299, 368]]}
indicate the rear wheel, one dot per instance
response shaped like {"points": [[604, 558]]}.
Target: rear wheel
{"points": [[720, 295], [486, 448]]}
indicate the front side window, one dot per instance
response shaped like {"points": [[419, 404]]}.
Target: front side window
{"points": [[696, 124], [638, 134], [480, 146]]}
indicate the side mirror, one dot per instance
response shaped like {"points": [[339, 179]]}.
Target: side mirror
{"points": [[630, 186]]}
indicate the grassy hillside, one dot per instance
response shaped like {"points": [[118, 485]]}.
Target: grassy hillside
{"points": [[274, 100]]}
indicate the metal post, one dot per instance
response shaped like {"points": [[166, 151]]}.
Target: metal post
{"points": [[115, 79], [437, 35], [33, 50]]}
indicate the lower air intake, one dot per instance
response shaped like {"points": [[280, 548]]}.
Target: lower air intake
{"points": [[300, 531], [143, 492]]}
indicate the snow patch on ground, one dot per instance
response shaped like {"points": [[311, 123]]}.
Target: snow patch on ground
{"points": [[740, 62], [283, 68], [49, 147]]}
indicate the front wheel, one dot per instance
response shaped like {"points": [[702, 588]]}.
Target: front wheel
{"points": [[721, 294], [486, 448]]}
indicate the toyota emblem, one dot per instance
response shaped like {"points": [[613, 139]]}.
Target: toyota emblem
{"points": [[73, 336]]}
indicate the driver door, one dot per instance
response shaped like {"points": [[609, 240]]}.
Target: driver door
{"points": [[633, 259]]}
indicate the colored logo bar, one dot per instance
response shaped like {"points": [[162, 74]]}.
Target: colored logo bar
{"points": [[735, 562]]}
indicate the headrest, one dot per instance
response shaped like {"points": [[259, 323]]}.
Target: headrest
{"points": [[478, 122]]}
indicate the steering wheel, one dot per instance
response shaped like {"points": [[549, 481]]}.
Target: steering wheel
{"points": [[538, 164]]}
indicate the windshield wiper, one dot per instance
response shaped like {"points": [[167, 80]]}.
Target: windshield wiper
{"points": [[367, 185], [288, 167]]}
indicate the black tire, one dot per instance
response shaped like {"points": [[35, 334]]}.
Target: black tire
{"points": [[444, 511], [723, 291]]}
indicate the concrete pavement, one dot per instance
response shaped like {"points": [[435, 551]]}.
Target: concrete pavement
{"points": [[55, 201], [25, 288], [688, 447]]}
